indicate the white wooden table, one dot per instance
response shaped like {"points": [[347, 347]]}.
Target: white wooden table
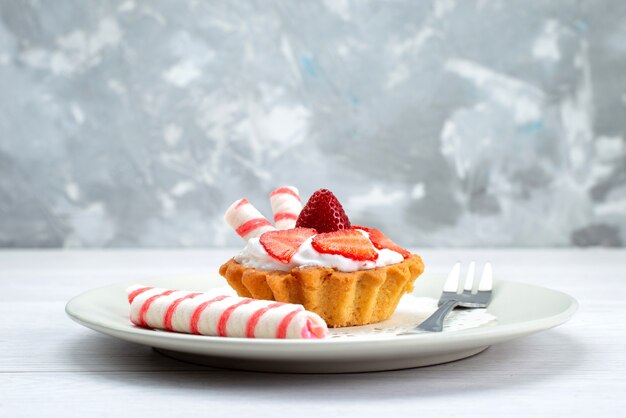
{"points": [[50, 366]]}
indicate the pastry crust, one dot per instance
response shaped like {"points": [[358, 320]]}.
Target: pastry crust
{"points": [[341, 298]]}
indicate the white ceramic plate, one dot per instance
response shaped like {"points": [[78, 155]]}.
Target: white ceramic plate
{"points": [[520, 310]]}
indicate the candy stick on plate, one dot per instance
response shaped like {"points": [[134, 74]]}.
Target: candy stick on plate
{"points": [[214, 313]]}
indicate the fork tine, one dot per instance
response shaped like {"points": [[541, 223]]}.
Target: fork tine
{"points": [[452, 282], [469, 279], [486, 280]]}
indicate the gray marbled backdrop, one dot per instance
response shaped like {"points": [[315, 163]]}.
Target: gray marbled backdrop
{"points": [[445, 123]]}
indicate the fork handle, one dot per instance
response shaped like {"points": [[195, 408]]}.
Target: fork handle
{"points": [[434, 323]]}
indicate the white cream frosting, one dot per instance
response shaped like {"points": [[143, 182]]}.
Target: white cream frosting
{"points": [[254, 255]]}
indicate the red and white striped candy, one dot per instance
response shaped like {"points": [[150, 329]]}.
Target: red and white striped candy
{"points": [[246, 220], [286, 205], [217, 314]]}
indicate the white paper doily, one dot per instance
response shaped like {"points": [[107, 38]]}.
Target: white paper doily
{"points": [[411, 312]]}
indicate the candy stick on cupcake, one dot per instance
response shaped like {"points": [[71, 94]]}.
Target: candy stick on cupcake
{"points": [[286, 206], [246, 220]]}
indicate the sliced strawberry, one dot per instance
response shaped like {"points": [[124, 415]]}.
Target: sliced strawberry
{"points": [[346, 242], [323, 212], [283, 244], [381, 241]]}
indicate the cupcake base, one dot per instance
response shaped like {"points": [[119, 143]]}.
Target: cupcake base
{"points": [[341, 298]]}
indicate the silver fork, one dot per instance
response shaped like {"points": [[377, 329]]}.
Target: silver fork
{"points": [[467, 297]]}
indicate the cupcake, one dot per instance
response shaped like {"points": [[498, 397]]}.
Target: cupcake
{"points": [[349, 275]]}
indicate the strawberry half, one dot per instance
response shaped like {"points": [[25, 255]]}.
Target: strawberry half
{"points": [[323, 212], [381, 241], [283, 244], [346, 242]]}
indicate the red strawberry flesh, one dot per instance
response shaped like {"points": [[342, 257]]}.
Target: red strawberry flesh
{"points": [[283, 244], [346, 242], [381, 241], [324, 213]]}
